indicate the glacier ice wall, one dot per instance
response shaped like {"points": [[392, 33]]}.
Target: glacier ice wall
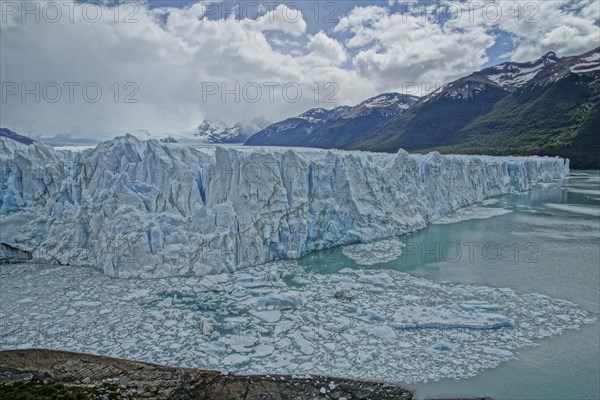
{"points": [[145, 209]]}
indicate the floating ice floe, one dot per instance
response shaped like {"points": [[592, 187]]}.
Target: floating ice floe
{"points": [[455, 316], [378, 252], [356, 323], [593, 192], [490, 202], [472, 212], [585, 210]]}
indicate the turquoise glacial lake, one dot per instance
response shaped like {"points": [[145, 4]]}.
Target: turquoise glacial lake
{"points": [[547, 241]]}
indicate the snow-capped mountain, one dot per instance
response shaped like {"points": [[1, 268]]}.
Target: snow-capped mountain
{"points": [[548, 106], [346, 127], [322, 115], [142, 208], [293, 131], [333, 128], [218, 131], [386, 105], [510, 76]]}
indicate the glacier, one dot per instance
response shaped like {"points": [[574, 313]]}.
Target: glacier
{"points": [[145, 209]]}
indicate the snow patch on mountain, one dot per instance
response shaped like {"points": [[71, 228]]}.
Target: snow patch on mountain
{"points": [[516, 77], [511, 75], [387, 104], [382, 101], [320, 115], [463, 91], [587, 64]]}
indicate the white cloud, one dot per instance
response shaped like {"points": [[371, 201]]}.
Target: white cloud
{"points": [[565, 30], [361, 16], [399, 51], [327, 48], [171, 55], [282, 18], [565, 27]]}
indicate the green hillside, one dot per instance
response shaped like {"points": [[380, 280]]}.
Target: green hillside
{"points": [[561, 118], [541, 118], [432, 123]]}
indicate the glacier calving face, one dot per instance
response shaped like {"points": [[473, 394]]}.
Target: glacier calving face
{"points": [[147, 209]]}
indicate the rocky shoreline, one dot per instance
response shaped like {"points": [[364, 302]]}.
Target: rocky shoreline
{"points": [[85, 376], [54, 374]]}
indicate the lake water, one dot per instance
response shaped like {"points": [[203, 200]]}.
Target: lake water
{"points": [[559, 256], [550, 244], [333, 311]]}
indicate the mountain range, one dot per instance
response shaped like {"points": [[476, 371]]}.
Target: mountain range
{"points": [[7, 133], [209, 131], [549, 106], [339, 127]]}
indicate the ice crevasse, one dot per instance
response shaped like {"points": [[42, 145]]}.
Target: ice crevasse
{"points": [[138, 208]]}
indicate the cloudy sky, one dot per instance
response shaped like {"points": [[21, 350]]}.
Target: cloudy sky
{"points": [[104, 68]]}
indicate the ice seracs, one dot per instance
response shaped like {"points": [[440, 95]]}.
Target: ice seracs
{"points": [[146, 209]]}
